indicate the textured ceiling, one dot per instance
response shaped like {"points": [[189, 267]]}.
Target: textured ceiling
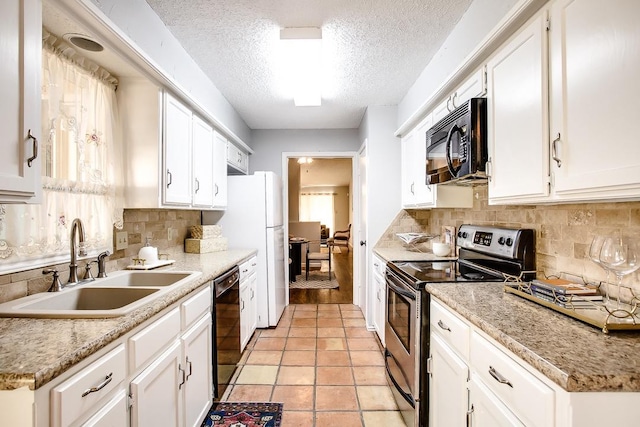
{"points": [[373, 51]]}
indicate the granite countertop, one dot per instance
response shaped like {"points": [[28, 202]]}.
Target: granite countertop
{"points": [[35, 351], [402, 254], [576, 356]]}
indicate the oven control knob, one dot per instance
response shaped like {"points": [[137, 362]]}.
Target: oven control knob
{"points": [[501, 241], [462, 234], [509, 241]]}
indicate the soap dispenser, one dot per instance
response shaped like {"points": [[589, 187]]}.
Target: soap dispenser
{"points": [[148, 253]]}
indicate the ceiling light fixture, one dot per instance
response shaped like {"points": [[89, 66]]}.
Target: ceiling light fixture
{"points": [[301, 55], [303, 160]]}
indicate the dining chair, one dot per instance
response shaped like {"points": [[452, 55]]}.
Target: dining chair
{"points": [[316, 257], [340, 238]]}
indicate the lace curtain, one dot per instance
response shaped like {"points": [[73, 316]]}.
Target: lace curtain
{"points": [[317, 207], [81, 165]]}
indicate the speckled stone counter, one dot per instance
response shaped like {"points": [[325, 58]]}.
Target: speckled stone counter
{"points": [[401, 254], [576, 356], [35, 351]]}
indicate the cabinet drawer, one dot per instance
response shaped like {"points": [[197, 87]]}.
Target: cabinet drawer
{"points": [[379, 266], [154, 338], [113, 413], [249, 267], [81, 392], [195, 307], [526, 396], [452, 329]]}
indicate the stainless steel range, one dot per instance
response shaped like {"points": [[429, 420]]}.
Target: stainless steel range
{"points": [[484, 254]]}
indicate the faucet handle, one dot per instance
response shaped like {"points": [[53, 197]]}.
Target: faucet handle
{"points": [[56, 286], [87, 272], [101, 267]]}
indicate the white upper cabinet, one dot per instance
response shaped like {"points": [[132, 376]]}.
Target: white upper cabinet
{"points": [[517, 114], [576, 143], [202, 163], [219, 171], [473, 87], [415, 192], [595, 59], [20, 50], [177, 152], [237, 160]]}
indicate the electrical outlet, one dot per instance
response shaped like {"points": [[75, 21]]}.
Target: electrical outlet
{"points": [[122, 240]]}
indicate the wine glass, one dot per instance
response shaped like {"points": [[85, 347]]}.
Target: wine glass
{"points": [[594, 255], [620, 254]]}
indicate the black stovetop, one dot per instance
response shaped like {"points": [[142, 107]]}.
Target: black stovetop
{"points": [[439, 271]]}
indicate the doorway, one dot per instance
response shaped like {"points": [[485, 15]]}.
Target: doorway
{"points": [[319, 191]]}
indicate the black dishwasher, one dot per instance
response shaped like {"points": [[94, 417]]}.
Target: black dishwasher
{"points": [[226, 330]]}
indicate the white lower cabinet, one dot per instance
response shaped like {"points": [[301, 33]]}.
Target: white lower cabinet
{"points": [[112, 414], [248, 300], [197, 387], [379, 296], [486, 409], [447, 386]]}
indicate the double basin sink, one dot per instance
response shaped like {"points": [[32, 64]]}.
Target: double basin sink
{"points": [[113, 296]]}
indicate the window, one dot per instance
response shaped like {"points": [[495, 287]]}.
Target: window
{"points": [[317, 207]]}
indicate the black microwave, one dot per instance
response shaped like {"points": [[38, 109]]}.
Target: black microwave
{"points": [[457, 145]]}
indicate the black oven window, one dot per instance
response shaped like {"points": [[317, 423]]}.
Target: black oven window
{"points": [[399, 318]]}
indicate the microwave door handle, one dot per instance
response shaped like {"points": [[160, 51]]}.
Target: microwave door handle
{"points": [[453, 171]]}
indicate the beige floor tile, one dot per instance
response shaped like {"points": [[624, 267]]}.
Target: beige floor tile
{"points": [[336, 398], [306, 307], [250, 393], [270, 344], [366, 358], [284, 323], [257, 374], [376, 398], [261, 357], [301, 314], [325, 344], [330, 332], [297, 418], [358, 333], [370, 375], [301, 344], [273, 333], [293, 398], [329, 319], [328, 307], [299, 358], [334, 375], [296, 375], [383, 418], [363, 344], [302, 332], [349, 307], [352, 314], [333, 358], [353, 323], [342, 419], [303, 323]]}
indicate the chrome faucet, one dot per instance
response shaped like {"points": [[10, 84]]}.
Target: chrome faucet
{"points": [[77, 229]]}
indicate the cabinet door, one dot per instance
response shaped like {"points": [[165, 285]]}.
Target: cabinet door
{"points": [[219, 171], [486, 410], [112, 414], [202, 163], [473, 87], [448, 398], [198, 388], [595, 60], [156, 392], [424, 194], [517, 117], [253, 304], [177, 152], [245, 296], [406, 178], [20, 69]]}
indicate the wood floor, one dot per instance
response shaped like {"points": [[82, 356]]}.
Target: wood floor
{"points": [[342, 264]]}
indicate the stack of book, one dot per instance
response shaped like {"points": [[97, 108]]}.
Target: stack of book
{"points": [[565, 293]]}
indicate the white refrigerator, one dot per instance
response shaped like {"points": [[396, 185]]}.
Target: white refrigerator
{"points": [[253, 219]]}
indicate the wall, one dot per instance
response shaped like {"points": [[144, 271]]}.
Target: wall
{"points": [[167, 229], [563, 232], [268, 145], [481, 17]]}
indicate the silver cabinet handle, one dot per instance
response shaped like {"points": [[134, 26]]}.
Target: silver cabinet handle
{"points": [[169, 178], [469, 414], [449, 109], [216, 193], [412, 184], [443, 326], [190, 368], [100, 386], [498, 377], [453, 100], [35, 148], [184, 378], [489, 169], [197, 185], [554, 150]]}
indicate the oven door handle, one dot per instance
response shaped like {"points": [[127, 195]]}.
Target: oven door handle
{"points": [[395, 288], [406, 396]]}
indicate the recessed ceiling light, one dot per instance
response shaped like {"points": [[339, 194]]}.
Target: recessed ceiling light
{"points": [[83, 42], [301, 53]]}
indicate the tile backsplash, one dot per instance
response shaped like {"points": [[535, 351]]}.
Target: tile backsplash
{"points": [[563, 231], [166, 228]]}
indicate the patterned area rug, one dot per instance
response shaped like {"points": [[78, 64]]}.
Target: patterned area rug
{"points": [[317, 280], [244, 415]]}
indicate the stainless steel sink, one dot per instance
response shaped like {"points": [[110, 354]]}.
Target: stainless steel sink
{"points": [[116, 295]]}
